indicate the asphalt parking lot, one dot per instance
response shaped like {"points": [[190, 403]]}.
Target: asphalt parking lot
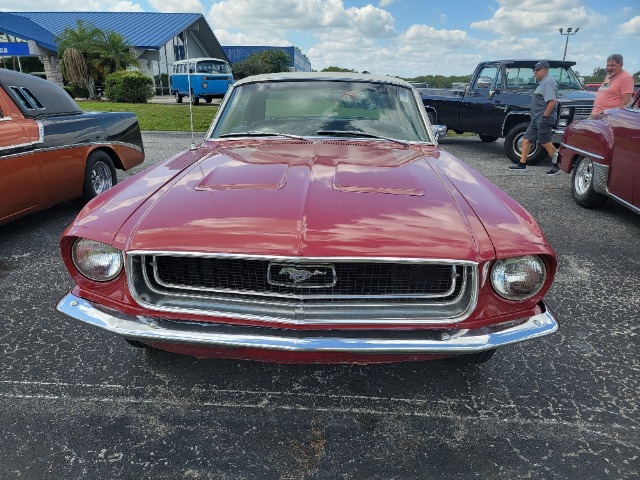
{"points": [[79, 403]]}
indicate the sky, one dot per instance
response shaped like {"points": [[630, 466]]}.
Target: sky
{"points": [[407, 38]]}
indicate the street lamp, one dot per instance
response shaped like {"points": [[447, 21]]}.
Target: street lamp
{"points": [[567, 33]]}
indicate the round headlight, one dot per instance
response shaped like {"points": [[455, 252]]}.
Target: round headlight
{"points": [[96, 260], [205, 85], [518, 278]]}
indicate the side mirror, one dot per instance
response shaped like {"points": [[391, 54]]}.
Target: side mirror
{"points": [[483, 82], [440, 131], [492, 93]]}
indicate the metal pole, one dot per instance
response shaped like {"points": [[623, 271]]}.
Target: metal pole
{"points": [[570, 31], [186, 51]]}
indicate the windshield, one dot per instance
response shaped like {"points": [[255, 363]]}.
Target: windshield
{"points": [[211, 66], [323, 107], [521, 77]]}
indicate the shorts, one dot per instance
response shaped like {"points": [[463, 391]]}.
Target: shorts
{"points": [[540, 129]]}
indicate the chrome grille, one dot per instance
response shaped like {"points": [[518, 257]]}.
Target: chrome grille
{"points": [[251, 276], [304, 290], [582, 111]]}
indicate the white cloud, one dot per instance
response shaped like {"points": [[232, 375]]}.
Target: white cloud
{"points": [[228, 38], [311, 16], [277, 15], [515, 17], [177, 6], [56, 6], [630, 28], [426, 35], [125, 6], [385, 3], [371, 21]]}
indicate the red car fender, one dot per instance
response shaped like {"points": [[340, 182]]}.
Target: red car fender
{"points": [[591, 138]]}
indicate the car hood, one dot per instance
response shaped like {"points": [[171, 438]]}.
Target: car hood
{"points": [[576, 95], [317, 199]]}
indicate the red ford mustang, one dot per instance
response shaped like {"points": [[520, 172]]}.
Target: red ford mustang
{"points": [[602, 153], [318, 222]]}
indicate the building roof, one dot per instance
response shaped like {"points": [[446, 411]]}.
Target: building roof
{"points": [[27, 29], [145, 30]]}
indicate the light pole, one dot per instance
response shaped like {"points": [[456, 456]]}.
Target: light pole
{"points": [[566, 43]]}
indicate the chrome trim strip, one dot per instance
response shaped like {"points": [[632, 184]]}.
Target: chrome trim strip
{"points": [[63, 147], [584, 153], [40, 131], [217, 335], [600, 178], [283, 258], [522, 113], [21, 145], [631, 207]]}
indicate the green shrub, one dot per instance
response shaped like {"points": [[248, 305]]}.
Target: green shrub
{"points": [[76, 92], [128, 87]]}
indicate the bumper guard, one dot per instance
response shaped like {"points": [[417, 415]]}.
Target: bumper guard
{"points": [[452, 342]]}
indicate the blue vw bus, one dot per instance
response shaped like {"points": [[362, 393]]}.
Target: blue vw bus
{"points": [[209, 78]]}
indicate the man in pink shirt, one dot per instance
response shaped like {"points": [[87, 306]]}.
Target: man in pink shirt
{"points": [[617, 89]]}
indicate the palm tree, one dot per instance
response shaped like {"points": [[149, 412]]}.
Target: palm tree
{"points": [[89, 54], [81, 45], [113, 53]]}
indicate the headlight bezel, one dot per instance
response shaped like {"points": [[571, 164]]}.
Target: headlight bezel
{"points": [[500, 269], [84, 251]]}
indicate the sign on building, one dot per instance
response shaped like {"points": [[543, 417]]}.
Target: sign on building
{"points": [[11, 49]]}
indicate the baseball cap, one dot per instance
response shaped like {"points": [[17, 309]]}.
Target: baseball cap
{"points": [[541, 64]]}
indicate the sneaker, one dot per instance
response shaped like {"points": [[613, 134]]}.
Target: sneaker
{"points": [[518, 166], [555, 169]]}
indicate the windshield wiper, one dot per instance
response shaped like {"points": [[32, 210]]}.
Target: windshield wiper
{"points": [[260, 133], [359, 133]]}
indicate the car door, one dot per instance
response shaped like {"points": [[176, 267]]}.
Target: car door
{"points": [[481, 111], [20, 186], [624, 178]]}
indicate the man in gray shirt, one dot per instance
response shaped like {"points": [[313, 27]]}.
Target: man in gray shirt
{"points": [[543, 117]]}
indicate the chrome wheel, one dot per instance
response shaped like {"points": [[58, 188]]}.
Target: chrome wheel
{"points": [[101, 178], [582, 185], [513, 146], [533, 150], [583, 177]]}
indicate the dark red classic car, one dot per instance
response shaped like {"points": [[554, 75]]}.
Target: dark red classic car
{"points": [[318, 222], [51, 151], [603, 155]]}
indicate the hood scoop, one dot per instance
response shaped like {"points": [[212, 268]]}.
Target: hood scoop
{"points": [[371, 179], [233, 175]]}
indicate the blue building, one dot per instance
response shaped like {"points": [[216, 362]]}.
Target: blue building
{"points": [[299, 61], [157, 39]]}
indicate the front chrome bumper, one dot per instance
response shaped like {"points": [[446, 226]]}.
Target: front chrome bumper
{"points": [[556, 135], [452, 342]]}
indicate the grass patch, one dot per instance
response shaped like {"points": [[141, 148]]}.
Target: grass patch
{"points": [[159, 117]]}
